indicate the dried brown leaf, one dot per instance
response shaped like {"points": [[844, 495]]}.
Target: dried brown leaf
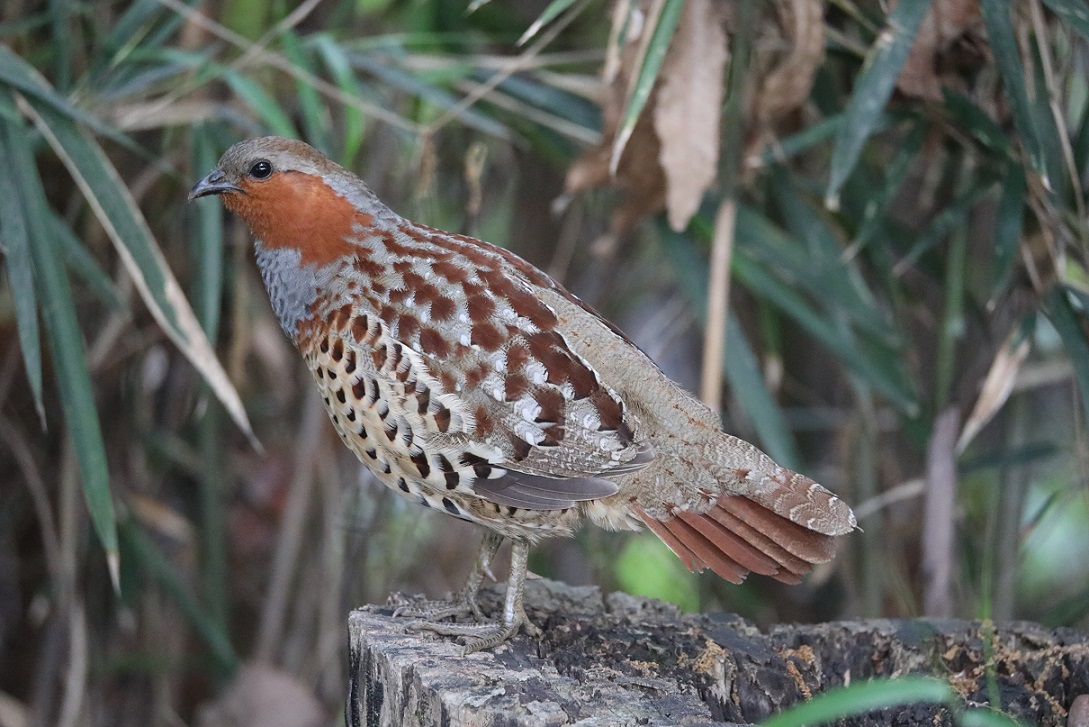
{"points": [[944, 23], [787, 86], [687, 113], [996, 388], [638, 174]]}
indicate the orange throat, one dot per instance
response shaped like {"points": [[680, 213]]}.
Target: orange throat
{"points": [[299, 211]]}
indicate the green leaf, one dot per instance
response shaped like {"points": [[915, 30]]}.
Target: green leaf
{"points": [[309, 103], [872, 91], [661, 35], [969, 117], [15, 243], [20, 75], [65, 342], [381, 69], [742, 369], [952, 218], [757, 279], [1074, 13], [1000, 33], [207, 242], [140, 547], [1073, 329], [550, 13], [864, 697], [336, 60], [266, 107], [119, 216], [987, 717], [1008, 223], [81, 262], [875, 215], [818, 264]]}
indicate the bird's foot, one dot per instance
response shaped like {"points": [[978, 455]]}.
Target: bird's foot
{"points": [[480, 636], [461, 604]]}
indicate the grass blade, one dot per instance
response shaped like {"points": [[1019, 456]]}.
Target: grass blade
{"points": [[15, 243], [1074, 13], [266, 107], [143, 550], [83, 264], [1073, 329], [1008, 224], [550, 13], [872, 91], [310, 105], [118, 214], [655, 53], [66, 343], [1000, 33], [742, 369], [864, 697], [336, 61]]}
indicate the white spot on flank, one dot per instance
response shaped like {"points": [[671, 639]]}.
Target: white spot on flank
{"points": [[528, 408], [464, 340], [536, 372]]}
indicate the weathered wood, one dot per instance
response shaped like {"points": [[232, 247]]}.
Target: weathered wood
{"points": [[624, 660]]}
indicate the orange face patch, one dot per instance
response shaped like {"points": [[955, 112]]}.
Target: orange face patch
{"points": [[300, 211]]}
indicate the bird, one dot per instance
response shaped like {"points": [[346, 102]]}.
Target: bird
{"points": [[472, 383]]}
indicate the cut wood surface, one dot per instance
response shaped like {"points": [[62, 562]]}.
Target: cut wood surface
{"points": [[626, 660]]}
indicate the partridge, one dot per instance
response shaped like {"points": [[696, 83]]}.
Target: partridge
{"points": [[470, 382]]}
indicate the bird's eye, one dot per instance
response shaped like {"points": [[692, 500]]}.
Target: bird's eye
{"points": [[261, 170]]}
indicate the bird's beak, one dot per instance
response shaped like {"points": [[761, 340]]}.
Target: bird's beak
{"points": [[215, 183]]}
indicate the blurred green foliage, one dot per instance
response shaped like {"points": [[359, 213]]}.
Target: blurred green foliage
{"points": [[890, 249]]}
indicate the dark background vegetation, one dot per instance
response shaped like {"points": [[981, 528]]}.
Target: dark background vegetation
{"points": [[908, 318]]}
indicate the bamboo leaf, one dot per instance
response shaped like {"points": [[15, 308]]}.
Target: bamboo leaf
{"points": [[1074, 13], [84, 265], [864, 697], [1000, 33], [661, 35], [15, 243], [123, 222], [65, 342], [22, 76], [872, 91], [336, 60], [143, 550], [266, 107], [309, 103], [1073, 329], [742, 370], [550, 13], [1008, 225]]}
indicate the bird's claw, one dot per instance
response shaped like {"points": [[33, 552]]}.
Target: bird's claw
{"points": [[460, 605], [479, 636]]}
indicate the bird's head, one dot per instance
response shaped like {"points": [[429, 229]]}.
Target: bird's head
{"points": [[292, 196]]}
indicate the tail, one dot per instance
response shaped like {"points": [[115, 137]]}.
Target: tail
{"points": [[761, 518]]}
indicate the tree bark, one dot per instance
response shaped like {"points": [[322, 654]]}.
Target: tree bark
{"points": [[626, 660]]}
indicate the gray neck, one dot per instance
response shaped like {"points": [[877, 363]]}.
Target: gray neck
{"points": [[292, 287]]}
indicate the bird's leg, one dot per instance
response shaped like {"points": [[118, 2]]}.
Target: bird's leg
{"points": [[486, 635], [464, 601]]}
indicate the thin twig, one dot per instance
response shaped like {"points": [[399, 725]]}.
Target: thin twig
{"points": [[20, 450], [291, 533], [1053, 94], [940, 506], [283, 64], [515, 64], [718, 296]]}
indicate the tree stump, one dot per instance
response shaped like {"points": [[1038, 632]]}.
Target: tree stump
{"points": [[626, 660]]}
